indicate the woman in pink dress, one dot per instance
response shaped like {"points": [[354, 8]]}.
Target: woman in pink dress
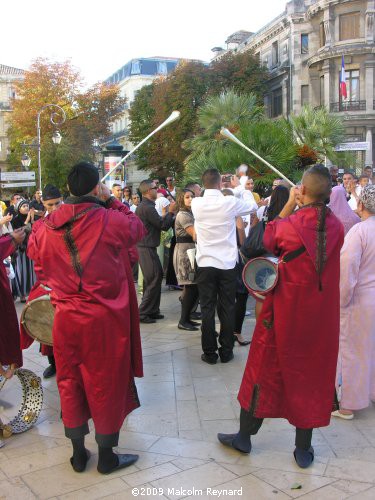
{"points": [[340, 207], [356, 362]]}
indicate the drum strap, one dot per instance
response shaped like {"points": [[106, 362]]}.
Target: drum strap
{"points": [[293, 255]]}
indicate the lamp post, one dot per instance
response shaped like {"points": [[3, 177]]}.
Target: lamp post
{"points": [[56, 136]]}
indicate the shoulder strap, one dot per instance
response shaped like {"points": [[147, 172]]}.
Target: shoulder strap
{"points": [[293, 255]]}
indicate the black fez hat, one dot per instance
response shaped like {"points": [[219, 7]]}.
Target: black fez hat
{"points": [[51, 192], [83, 178]]}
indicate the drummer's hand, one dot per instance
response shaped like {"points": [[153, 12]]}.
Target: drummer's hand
{"points": [[18, 235], [293, 196], [104, 192]]}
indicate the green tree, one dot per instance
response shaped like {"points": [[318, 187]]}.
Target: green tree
{"points": [[271, 139], [142, 115], [229, 110], [241, 72], [186, 89], [318, 130]]}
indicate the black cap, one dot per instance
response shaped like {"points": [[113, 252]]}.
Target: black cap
{"points": [[83, 178], [51, 192]]}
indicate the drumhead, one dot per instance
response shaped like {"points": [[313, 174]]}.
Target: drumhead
{"points": [[37, 319], [260, 275]]}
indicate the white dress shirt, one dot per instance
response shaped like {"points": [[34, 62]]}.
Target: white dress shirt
{"points": [[215, 225]]}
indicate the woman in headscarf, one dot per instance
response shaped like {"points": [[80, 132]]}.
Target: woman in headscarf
{"points": [[23, 266], [356, 362], [340, 207]]}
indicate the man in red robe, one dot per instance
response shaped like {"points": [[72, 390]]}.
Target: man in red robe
{"points": [[290, 371], [84, 252], [10, 352], [51, 201]]}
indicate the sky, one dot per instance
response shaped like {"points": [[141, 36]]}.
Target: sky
{"points": [[99, 37]]}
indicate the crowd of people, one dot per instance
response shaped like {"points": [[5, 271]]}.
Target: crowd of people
{"points": [[89, 249]]}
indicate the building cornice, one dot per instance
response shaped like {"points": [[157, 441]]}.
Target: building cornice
{"points": [[341, 50], [321, 5]]}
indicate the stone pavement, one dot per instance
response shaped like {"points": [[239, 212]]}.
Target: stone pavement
{"points": [[185, 402]]}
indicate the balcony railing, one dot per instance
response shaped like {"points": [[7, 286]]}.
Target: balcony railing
{"points": [[336, 107]]}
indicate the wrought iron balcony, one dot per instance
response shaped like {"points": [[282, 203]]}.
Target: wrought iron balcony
{"points": [[336, 107]]}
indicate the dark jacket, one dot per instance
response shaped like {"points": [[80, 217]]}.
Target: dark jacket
{"points": [[153, 223]]}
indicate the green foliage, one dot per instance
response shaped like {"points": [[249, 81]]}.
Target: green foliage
{"points": [[228, 110], [142, 119], [319, 130], [240, 72], [186, 90], [269, 139]]}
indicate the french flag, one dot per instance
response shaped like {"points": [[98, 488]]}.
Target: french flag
{"points": [[343, 92]]}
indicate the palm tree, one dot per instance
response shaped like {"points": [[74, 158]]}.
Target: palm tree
{"points": [[271, 139], [228, 109], [317, 129]]}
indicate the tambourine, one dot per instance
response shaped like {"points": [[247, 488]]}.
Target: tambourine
{"points": [[32, 402], [260, 276]]}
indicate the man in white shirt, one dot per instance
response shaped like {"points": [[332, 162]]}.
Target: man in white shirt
{"points": [[217, 254]]}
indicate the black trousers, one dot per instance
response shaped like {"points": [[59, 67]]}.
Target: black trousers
{"points": [[240, 311], [104, 440], [189, 299], [250, 425], [217, 287], [152, 279]]}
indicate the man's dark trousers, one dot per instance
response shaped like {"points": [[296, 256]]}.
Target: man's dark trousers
{"points": [[152, 279], [217, 287]]}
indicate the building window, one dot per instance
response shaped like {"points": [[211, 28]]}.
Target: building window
{"points": [[304, 95], [162, 68], [349, 26], [352, 86], [304, 44], [136, 68], [322, 99], [322, 35], [277, 103], [275, 53]]}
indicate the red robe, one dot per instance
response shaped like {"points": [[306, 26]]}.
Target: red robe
{"points": [[36, 291], [10, 351], [84, 252], [290, 371]]}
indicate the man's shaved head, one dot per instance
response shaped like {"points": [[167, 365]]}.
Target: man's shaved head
{"points": [[317, 182]]}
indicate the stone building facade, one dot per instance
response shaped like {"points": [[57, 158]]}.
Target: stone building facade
{"points": [[303, 49], [131, 78], [8, 76]]}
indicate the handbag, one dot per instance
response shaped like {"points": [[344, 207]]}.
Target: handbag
{"points": [[253, 245]]}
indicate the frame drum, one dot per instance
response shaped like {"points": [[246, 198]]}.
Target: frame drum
{"points": [[37, 319], [260, 276], [31, 406]]}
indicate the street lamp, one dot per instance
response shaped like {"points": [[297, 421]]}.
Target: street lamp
{"points": [[56, 138], [25, 160], [56, 120]]}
